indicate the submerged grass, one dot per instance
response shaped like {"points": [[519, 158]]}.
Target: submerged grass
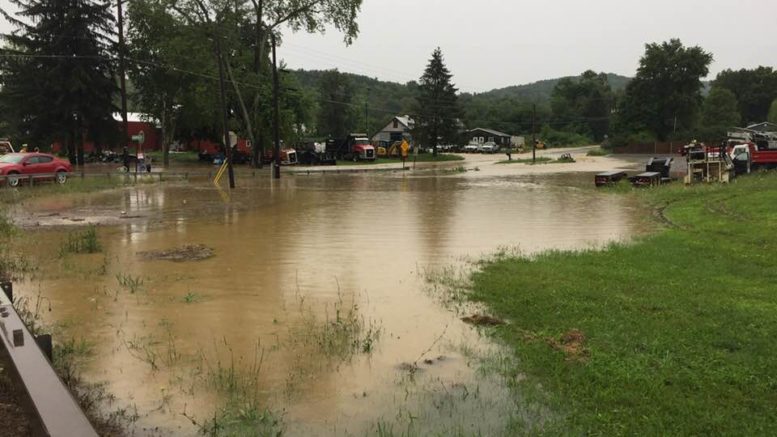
{"points": [[670, 334], [85, 241], [539, 160]]}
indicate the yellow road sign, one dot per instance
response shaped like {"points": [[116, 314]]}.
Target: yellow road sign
{"points": [[405, 147]]}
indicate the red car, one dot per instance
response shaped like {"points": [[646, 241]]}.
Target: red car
{"points": [[15, 166]]}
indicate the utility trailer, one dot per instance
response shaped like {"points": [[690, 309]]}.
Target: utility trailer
{"points": [[609, 178]]}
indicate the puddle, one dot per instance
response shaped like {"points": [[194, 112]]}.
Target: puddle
{"points": [[315, 292]]}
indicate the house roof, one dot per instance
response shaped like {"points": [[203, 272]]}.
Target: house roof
{"points": [[406, 120], [765, 126], [136, 117], [491, 131]]}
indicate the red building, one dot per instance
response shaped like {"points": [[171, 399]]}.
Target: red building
{"points": [[136, 123]]}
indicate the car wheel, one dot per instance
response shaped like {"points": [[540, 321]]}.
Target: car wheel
{"points": [[13, 180], [61, 177], [355, 158]]}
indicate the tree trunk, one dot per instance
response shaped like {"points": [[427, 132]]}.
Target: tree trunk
{"points": [[165, 143]]}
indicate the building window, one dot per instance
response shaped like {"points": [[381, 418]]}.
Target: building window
{"points": [[396, 123]]}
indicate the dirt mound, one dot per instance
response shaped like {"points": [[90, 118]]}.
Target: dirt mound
{"points": [[189, 252], [572, 343], [481, 320]]}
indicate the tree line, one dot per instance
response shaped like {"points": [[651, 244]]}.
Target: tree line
{"points": [[59, 69]]}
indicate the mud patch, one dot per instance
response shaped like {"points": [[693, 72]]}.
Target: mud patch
{"points": [[481, 320], [189, 252], [572, 343]]}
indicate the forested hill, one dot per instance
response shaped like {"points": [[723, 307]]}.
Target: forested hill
{"points": [[540, 92], [499, 109]]}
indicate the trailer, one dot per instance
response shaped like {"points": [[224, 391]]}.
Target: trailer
{"points": [[647, 179], [609, 178]]}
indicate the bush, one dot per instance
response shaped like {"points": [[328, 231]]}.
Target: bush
{"points": [[626, 138], [557, 138]]}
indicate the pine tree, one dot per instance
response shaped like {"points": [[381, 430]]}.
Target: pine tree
{"points": [[437, 110], [57, 75]]}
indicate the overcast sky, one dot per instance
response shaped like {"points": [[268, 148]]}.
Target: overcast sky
{"points": [[496, 43]]}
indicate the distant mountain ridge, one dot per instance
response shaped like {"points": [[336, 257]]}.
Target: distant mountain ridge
{"points": [[540, 91]]}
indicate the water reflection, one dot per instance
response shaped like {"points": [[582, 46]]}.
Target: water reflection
{"points": [[306, 242]]}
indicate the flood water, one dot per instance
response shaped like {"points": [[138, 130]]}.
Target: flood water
{"points": [[288, 256]]}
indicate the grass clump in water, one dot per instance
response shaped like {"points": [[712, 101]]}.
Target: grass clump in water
{"points": [[539, 160], [85, 241], [599, 151], [670, 334]]}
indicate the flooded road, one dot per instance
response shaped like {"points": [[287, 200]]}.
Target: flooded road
{"points": [[318, 294]]}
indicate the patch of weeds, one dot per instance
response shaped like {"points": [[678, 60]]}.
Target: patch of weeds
{"points": [[85, 241], [340, 335], [15, 266], [566, 159], [191, 297], [69, 356], [129, 282], [144, 348], [599, 151], [241, 413], [7, 228], [458, 169], [538, 160]]}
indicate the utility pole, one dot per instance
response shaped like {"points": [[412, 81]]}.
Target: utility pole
{"points": [[276, 110], [366, 114], [223, 95], [533, 138], [122, 74]]}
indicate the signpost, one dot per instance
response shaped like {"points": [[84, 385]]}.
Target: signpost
{"points": [[404, 148], [140, 138]]}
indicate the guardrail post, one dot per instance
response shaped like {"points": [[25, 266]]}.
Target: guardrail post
{"points": [[45, 344], [31, 183], [7, 287]]}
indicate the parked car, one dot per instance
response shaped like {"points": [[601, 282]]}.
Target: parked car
{"points": [[15, 166], [470, 148], [489, 147]]}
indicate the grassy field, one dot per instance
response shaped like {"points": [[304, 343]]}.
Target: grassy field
{"points": [[184, 157], [673, 334]]}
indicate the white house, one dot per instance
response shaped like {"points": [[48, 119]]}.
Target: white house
{"points": [[398, 129]]}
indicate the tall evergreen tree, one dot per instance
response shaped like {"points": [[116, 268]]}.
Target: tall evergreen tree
{"points": [[437, 112], [57, 77]]}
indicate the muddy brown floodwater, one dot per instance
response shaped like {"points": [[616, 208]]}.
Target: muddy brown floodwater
{"points": [[295, 264]]}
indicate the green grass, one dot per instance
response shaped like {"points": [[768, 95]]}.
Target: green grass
{"points": [[540, 160], [85, 241], [184, 157], [73, 185], [599, 151], [425, 157], [679, 326]]}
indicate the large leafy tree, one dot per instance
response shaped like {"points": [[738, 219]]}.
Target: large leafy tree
{"points": [[719, 113], [171, 71], [335, 111], [258, 23], [755, 89], [583, 105], [666, 92], [57, 76], [773, 112], [437, 112]]}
